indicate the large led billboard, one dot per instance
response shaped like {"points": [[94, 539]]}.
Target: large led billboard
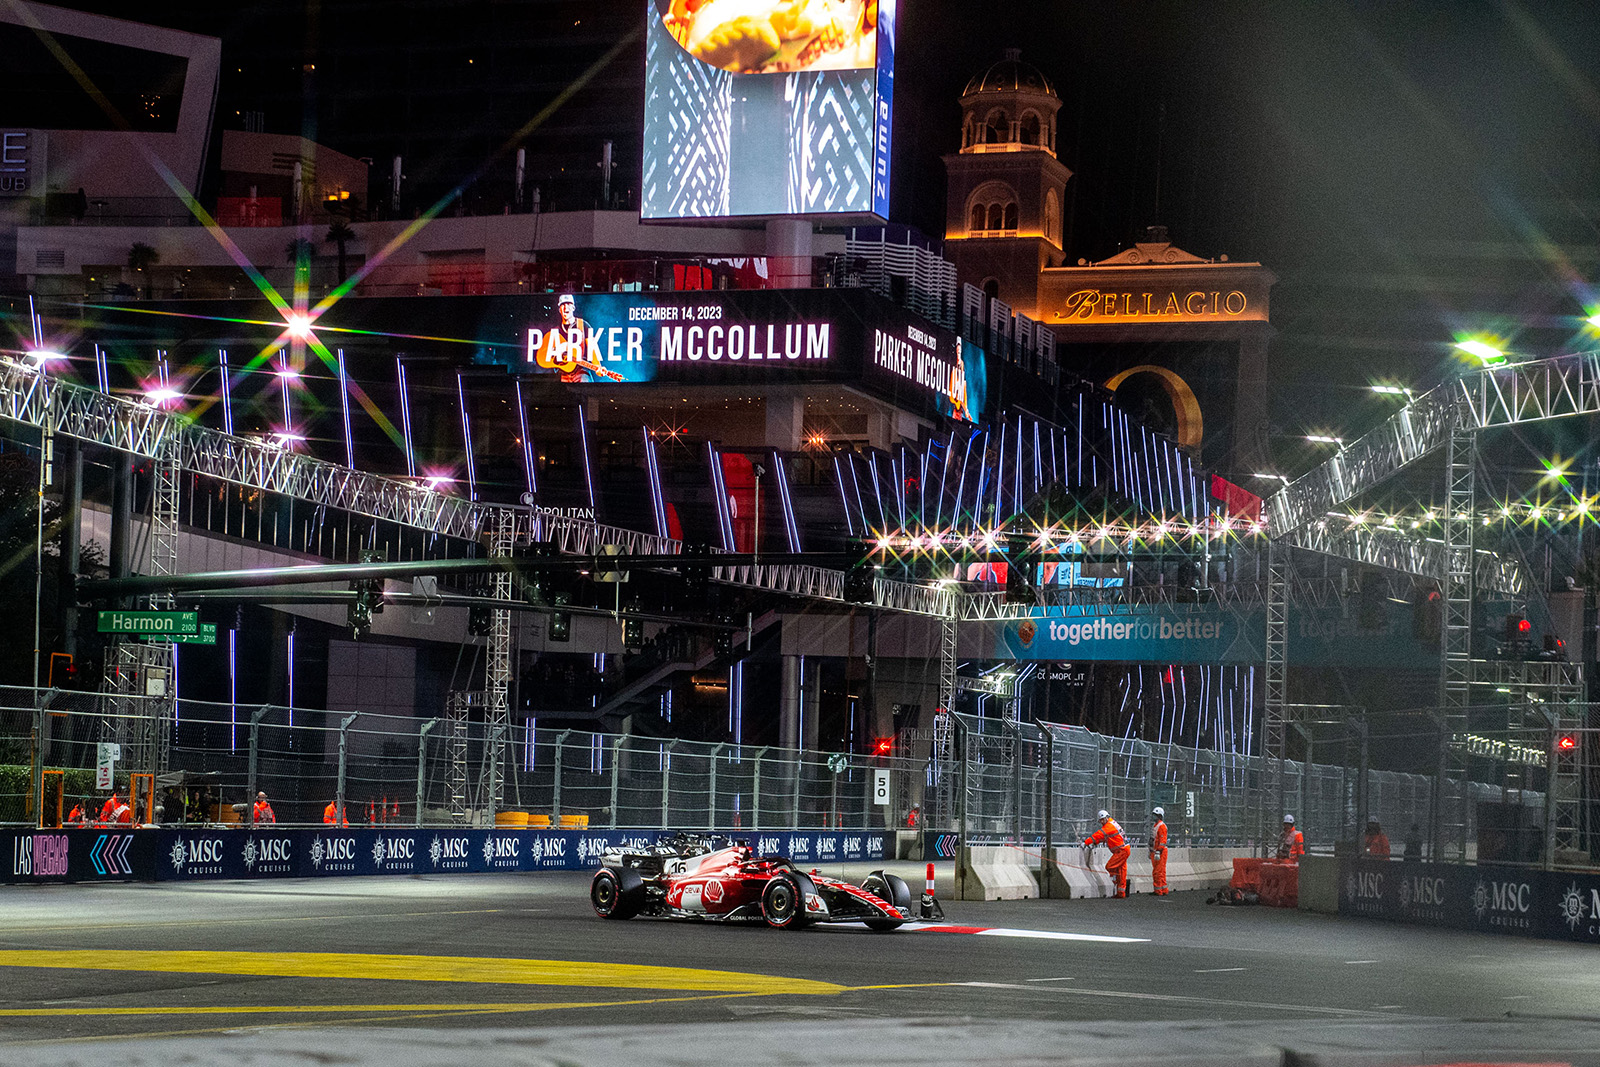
{"points": [[767, 108], [738, 337]]}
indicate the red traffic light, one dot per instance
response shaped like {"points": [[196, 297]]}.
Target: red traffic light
{"points": [[883, 746], [1524, 626], [1567, 742]]}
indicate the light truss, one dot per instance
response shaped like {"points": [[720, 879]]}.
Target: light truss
{"points": [[1423, 557], [1494, 397]]}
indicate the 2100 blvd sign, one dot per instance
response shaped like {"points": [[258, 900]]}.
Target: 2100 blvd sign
{"points": [[149, 622]]}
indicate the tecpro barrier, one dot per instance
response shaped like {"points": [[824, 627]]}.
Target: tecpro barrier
{"points": [[183, 854], [1500, 900]]}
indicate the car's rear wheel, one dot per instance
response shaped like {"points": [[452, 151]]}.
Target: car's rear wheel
{"points": [[781, 904], [616, 894]]}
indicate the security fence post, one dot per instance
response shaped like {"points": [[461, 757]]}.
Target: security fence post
{"points": [[1048, 855], [338, 795], [755, 790], [494, 752], [666, 779], [960, 737], [555, 799], [711, 807], [616, 775], [422, 758], [250, 769], [799, 757], [36, 777]]}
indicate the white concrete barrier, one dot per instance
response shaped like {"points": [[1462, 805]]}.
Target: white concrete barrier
{"points": [[998, 872], [1187, 868]]}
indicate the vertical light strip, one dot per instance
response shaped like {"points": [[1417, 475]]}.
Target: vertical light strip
{"points": [[855, 483], [961, 483], [1000, 477], [233, 689], [800, 709], [588, 468], [466, 441], [227, 390], [724, 521], [291, 680], [877, 490], [344, 404], [653, 473], [844, 497], [791, 527], [285, 373], [529, 467], [101, 371], [405, 419]]}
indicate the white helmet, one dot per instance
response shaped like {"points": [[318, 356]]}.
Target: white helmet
{"points": [[1159, 811], [1288, 820], [1102, 814]]}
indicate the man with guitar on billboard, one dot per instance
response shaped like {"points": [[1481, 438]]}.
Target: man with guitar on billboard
{"points": [[566, 348]]}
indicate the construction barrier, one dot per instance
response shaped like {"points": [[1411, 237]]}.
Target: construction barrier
{"points": [[997, 872], [182, 854], [1187, 868]]}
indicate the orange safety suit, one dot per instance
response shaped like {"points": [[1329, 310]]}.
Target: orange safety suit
{"points": [[1158, 857], [109, 808], [1110, 834], [1376, 845], [333, 816], [78, 817], [123, 814], [1293, 844], [262, 813]]}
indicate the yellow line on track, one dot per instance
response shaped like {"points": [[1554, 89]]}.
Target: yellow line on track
{"points": [[403, 968], [328, 1009]]}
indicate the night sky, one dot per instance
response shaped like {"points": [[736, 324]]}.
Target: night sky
{"points": [[1412, 170]]}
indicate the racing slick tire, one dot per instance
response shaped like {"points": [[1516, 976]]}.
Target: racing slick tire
{"points": [[616, 893], [783, 902], [893, 890]]}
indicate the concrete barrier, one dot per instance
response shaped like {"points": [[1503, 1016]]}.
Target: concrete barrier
{"points": [[1319, 884], [1187, 868], [996, 872]]}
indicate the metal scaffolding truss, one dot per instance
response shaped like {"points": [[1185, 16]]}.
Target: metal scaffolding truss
{"points": [[1499, 396], [821, 583], [1276, 696], [458, 706], [497, 670], [31, 397], [1424, 558]]}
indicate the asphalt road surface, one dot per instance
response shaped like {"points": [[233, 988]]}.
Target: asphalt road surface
{"points": [[428, 967]]}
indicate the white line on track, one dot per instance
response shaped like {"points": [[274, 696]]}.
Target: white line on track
{"points": [[1349, 962], [1052, 979], [1218, 970], [1045, 935], [1079, 991]]}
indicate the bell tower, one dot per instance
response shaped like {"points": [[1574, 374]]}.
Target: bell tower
{"points": [[1003, 211]]}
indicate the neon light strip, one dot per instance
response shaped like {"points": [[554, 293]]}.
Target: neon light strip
{"points": [[653, 472], [405, 420], [344, 403], [102, 373], [877, 489], [291, 678], [588, 470], [724, 523], [844, 497], [528, 465], [855, 483], [227, 392], [791, 528], [961, 484], [466, 440], [283, 381]]}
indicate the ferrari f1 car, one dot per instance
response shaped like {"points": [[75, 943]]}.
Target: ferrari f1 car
{"points": [[715, 880]]}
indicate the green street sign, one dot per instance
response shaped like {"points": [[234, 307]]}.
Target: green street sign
{"points": [[206, 636], [166, 623]]}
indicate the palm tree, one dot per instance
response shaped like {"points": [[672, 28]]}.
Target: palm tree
{"points": [[141, 256], [340, 234], [299, 252]]}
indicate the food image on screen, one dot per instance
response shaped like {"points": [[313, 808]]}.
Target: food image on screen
{"points": [[775, 36]]}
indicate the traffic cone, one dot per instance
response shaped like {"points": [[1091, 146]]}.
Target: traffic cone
{"points": [[929, 906]]}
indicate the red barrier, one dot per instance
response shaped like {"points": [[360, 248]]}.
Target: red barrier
{"points": [[1280, 885], [1247, 874]]}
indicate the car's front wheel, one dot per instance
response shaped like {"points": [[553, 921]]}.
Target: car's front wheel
{"points": [[781, 904]]}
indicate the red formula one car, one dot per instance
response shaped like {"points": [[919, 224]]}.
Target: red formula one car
{"points": [[711, 879]]}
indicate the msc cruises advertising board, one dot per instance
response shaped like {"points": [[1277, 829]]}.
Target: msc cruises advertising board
{"points": [[767, 107], [756, 336]]}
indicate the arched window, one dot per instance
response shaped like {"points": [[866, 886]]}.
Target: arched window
{"points": [[979, 218], [997, 128], [966, 133], [991, 288], [1010, 222], [996, 217], [1052, 216], [1030, 129]]}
